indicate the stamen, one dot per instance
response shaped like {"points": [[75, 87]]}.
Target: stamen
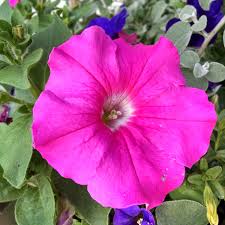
{"points": [[113, 115], [140, 221], [116, 111]]}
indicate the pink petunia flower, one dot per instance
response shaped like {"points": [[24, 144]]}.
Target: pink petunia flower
{"points": [[118, 118], [13, 3]]}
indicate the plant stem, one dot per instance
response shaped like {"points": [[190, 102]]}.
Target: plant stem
{"points": [[211, 35]]}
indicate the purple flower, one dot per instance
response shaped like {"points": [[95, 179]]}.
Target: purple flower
{"points": [[133, 216], [111, 26], [214, 15], [4, 113]]}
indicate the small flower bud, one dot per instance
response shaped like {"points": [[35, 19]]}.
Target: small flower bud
{"points": [[211, 206], [203, 164], [18, 32]]}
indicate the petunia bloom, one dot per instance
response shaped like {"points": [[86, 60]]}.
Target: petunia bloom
{"points": [[4, 113], [13, 3], [214, 15], [133, 215], [111, 26], [118, 118]]}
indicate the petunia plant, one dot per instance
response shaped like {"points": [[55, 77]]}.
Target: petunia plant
{"points": [[112, 112]]}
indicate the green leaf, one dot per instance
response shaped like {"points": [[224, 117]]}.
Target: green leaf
{"points": [[217, 189], [169, 213], [205, 4], [54, 35], [17, 75], [192, 81], [14, 75], [224, 38], [5, 97], [187, 13], [214, 172], [221, 115], [200, 25], [5, 26], [216, 72], [8, 193], [180, 33], [44, 21], [189, 59], [220, 141], [87, 208], [5, 11], [33, 58], [24, 95], [195, 179], [16, 149], [6, 37], [203, 164], [85, 10], [75, 222], [200, 70], [37, 205], [220, 155], [17, 17], [157, 10], [186, 191]]}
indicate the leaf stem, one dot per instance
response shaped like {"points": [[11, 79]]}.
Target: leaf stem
{"points": [[211, 35]]}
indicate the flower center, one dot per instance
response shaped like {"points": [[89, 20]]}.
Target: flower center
{"points": [[117, 111], [113, 115], [140, 221]]}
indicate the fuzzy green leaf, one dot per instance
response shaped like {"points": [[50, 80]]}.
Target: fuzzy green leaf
{"points": [[169, 213], [205, 4], [200, 25], [220, 141], [8, 193], [16, 149], [37, 205], [216, 72], [186, 191], [17, 75], [189, 59], [180, 33], [55, 34], [157, 10], [5, 11]]}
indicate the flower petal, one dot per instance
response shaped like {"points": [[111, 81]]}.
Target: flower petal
{"points": [[126, 216], [213, 21], [182, 119], [146, 68], [13, 3], [134, 166], [111, 26], [84, 62], [66, 135], [147, 217]]}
